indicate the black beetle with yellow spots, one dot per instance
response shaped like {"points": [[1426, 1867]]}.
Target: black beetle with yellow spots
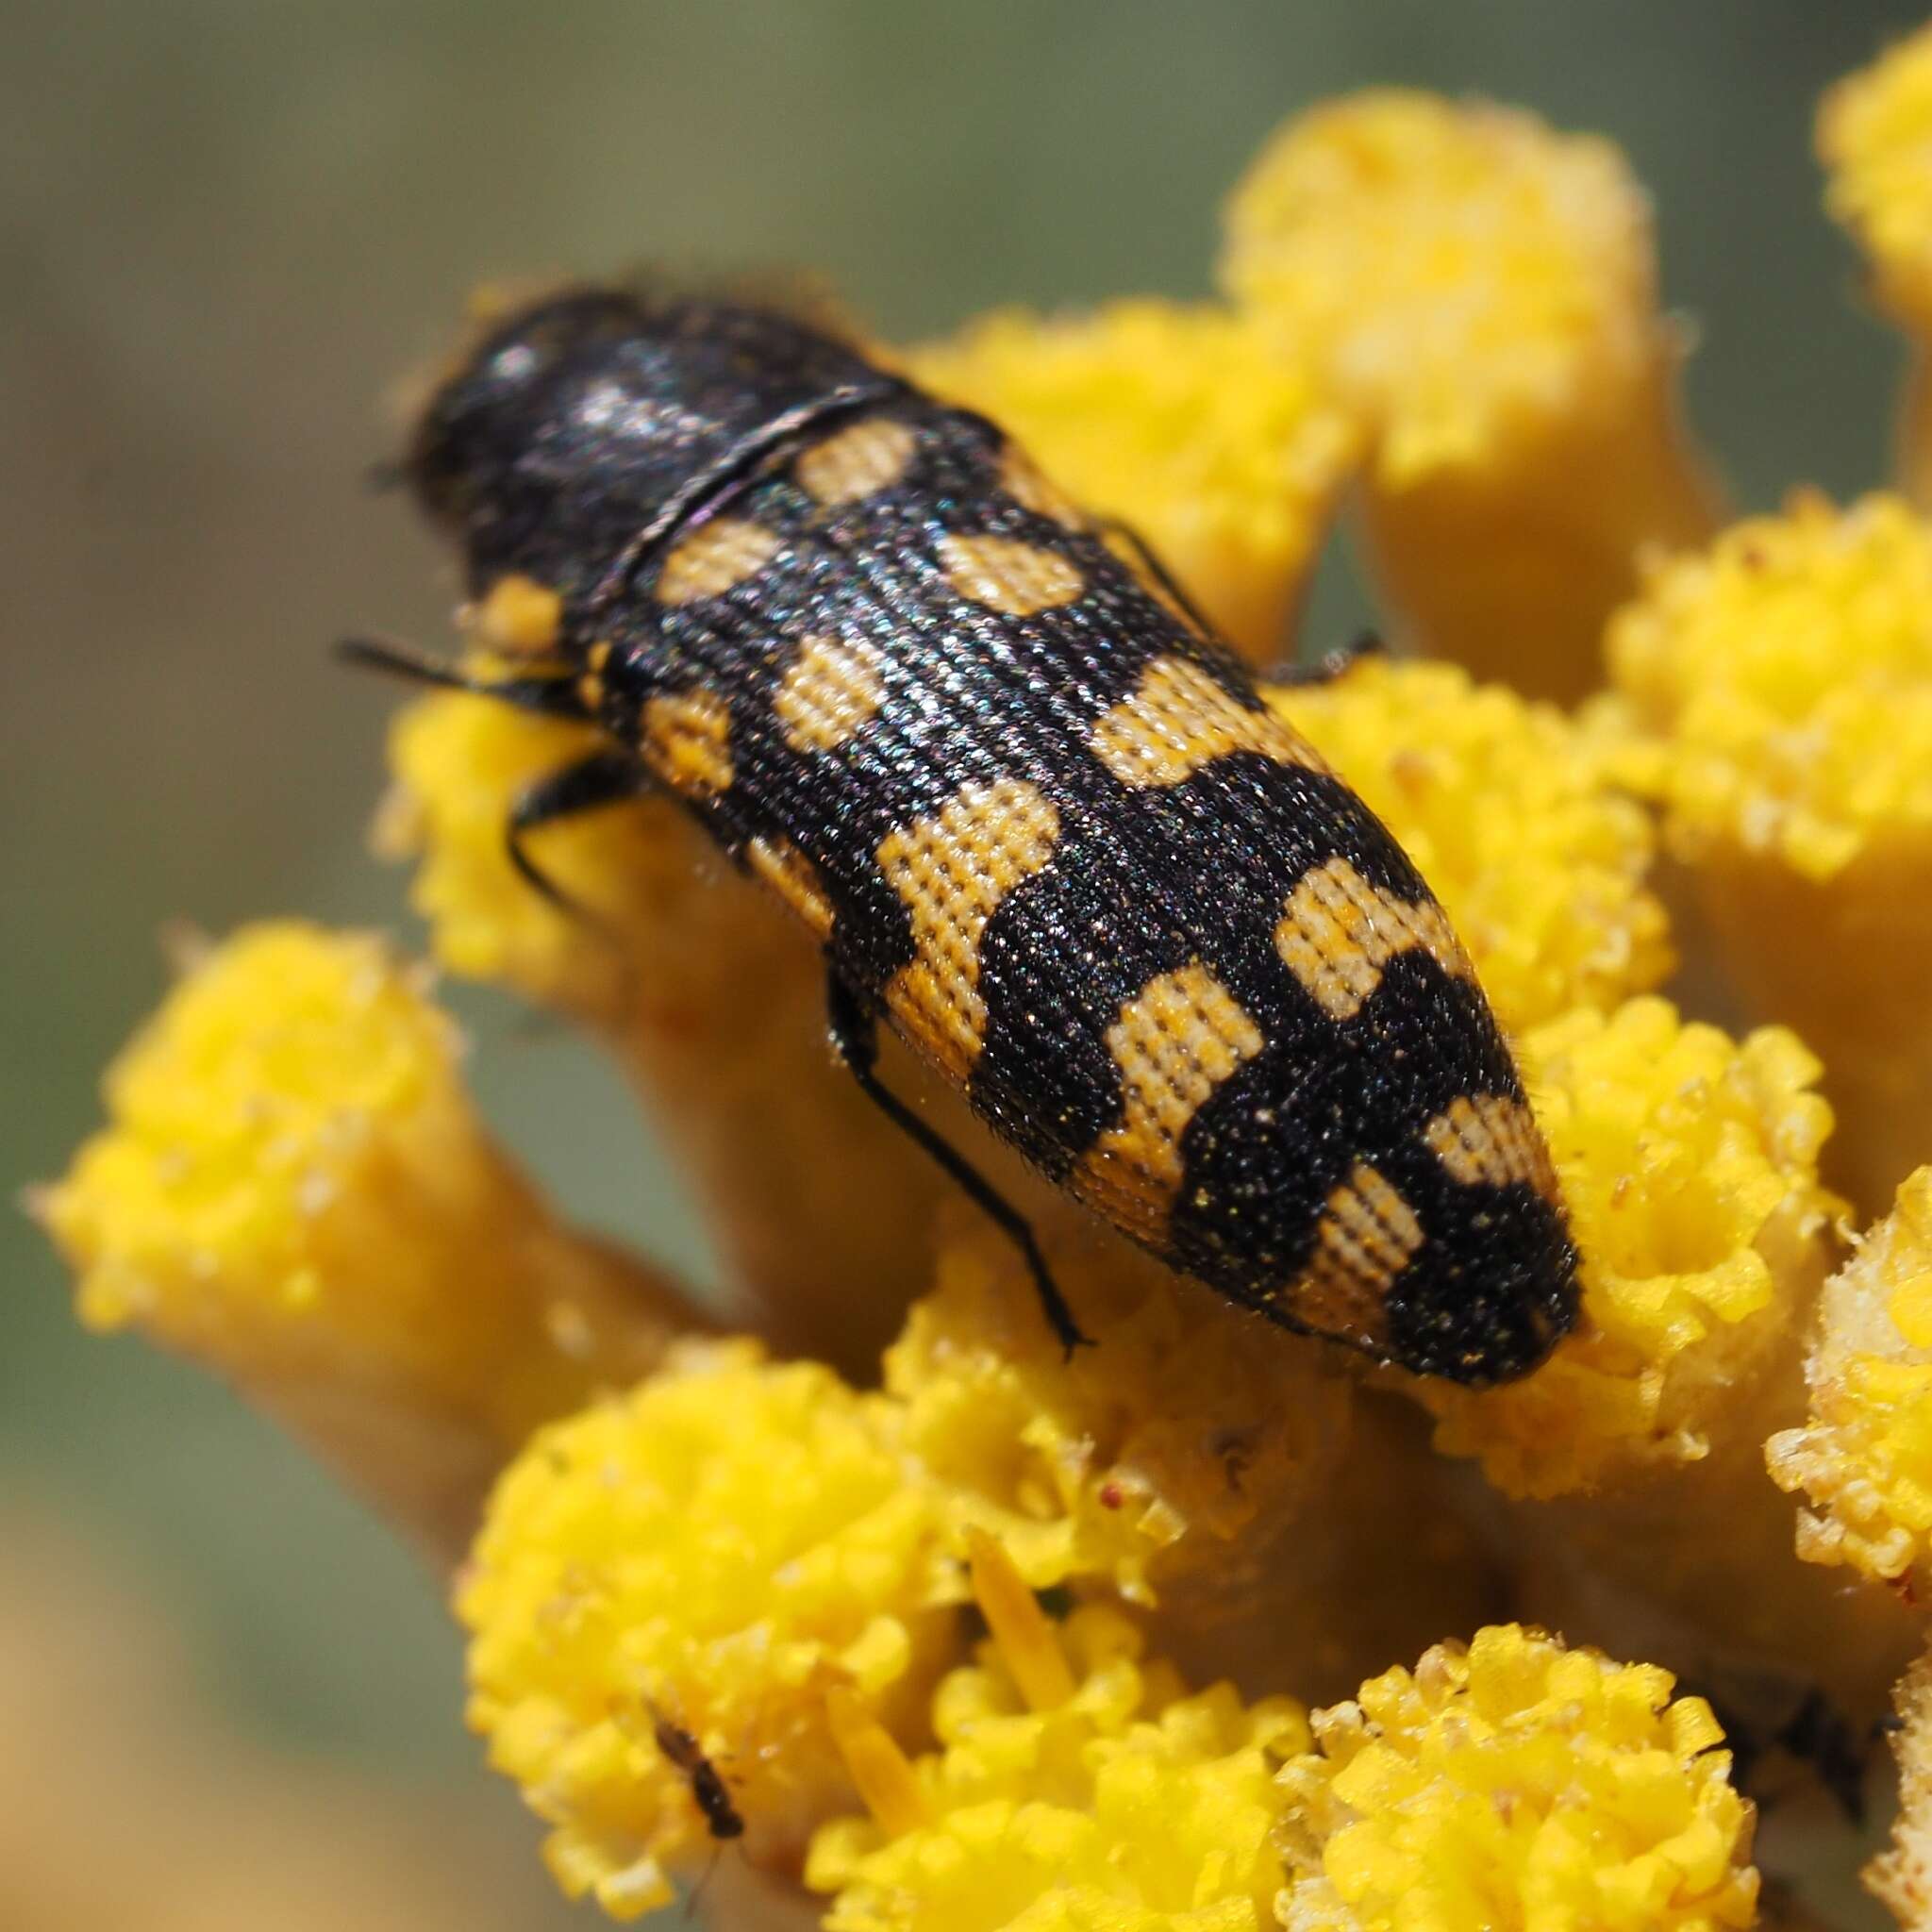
{"points": [[1040, 823]]}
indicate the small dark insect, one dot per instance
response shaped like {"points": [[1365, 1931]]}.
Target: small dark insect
{"points": [[706, 1783], [1039, 821]]}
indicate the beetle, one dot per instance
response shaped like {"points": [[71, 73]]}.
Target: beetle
{"points": [[1039, 819]]}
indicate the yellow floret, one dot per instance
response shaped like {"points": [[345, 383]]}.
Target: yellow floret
{"points": [[1513, 1785], [1865, 1457], [1481, 293], [711, 994], [295, 1190], [1184, 422], [1469, 266], [1187, 1441], [1068, 1795], [1788, 672], [1780, 684], [1688, 1164], [1505, 807], [1902, 1876], [718, 1549], [1874, 136]]}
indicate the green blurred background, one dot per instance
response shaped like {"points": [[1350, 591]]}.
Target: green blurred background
{"points": [[231, 223]]}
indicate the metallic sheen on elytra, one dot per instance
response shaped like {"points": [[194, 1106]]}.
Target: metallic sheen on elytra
{"points": [[1041, 825]]}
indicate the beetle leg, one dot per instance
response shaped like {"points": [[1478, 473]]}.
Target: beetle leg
{"points": [[1331, 665], [555, 696], [1150, 561], [605, 777], [856, 1038]]}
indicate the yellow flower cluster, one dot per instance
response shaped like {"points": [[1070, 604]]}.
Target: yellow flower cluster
{"points": [[1186, 423], [1077, 1785], [1513, 1784], [295, 1190], [1787, 671], [728, 1580], [1690, 1167], [713, 1552], [1902, 1877], [1874, 131], [1183, 1447], [1480, 292], [1464, 268], [1778, 686], [1505, 808], [1865, 1457]]}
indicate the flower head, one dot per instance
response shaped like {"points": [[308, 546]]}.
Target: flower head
{"points": [[1480, 292], [1077, 1784], [1514, 1785], [1865, 1455], [1179, 1451], [1470, 273], [715, 1551], [295, 1190], [1786, 674], [1875, 134]]}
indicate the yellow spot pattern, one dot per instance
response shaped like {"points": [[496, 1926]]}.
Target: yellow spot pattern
{"points": [[952, 872], [1016, 578], [1179, 719], [1340, 932], [714, 557], [1174, 1042], [520, 617], [1490, 1140], [794, 878], [688, 740], [855, 462], [591, 685], [832, 688], [1364, 1242]]}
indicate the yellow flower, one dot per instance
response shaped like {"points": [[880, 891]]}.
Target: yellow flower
{"points": [[1689, 1165], [1875, 137], [1788, 672], [1505, 807], [1184, 422], [1078, 1787], [714, 1551], [1180, 1445], [1514, 1785], [1865, 1457], [1874, 134], [1902, 1877], [1779, 690], [295, 1190], [1480, 291]]}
